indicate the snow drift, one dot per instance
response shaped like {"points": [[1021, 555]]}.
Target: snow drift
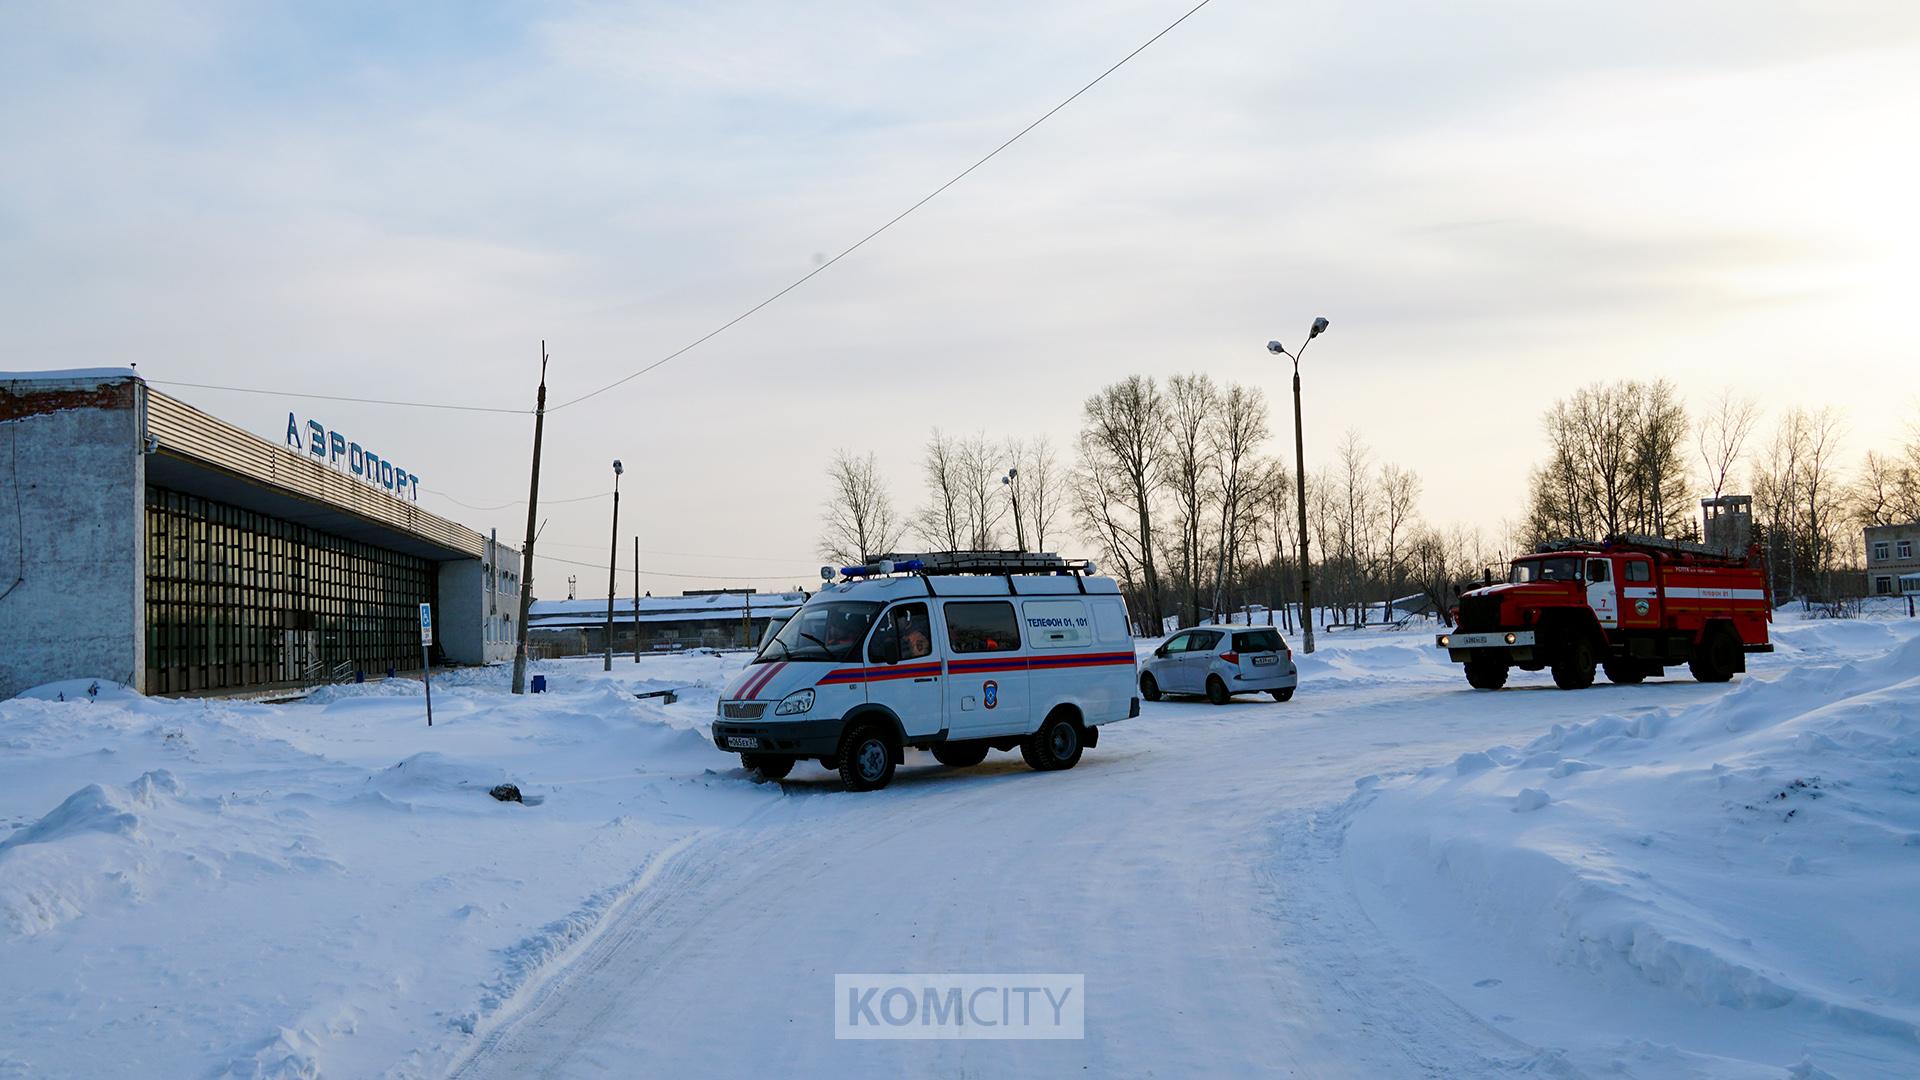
{"points": [[1736, 877]]}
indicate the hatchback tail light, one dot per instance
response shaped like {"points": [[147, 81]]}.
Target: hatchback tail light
{"points": [[1230, 657]]}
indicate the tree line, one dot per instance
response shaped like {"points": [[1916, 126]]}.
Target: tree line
{"points": [[1176, 491], [1622, 458]]}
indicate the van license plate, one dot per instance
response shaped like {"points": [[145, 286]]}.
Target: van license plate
{"points": [[1258, 660], [743, 742]]}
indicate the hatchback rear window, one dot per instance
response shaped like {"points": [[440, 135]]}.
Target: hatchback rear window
{"points": [[1258, 641]]}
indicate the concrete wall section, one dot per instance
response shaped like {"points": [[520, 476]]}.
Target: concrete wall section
{"points": [[477, 603], [72, 491]]}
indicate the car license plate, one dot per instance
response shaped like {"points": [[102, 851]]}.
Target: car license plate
{"points": [[1259, 660], [743, 742]]}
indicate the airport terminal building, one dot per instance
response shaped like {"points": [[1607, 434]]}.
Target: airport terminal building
{"points": [[147, 542]]}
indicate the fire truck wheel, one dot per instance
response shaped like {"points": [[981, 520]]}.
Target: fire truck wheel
{"points": [[1716, 658], [1486, 674], [1574, 669], [1149, 686], [1625, 672], [960, 755]]}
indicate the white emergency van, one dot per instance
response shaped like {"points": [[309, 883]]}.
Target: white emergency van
{"points": [[957, 653]]}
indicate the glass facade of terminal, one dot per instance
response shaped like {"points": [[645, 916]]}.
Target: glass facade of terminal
{"points": [[236, 598]]}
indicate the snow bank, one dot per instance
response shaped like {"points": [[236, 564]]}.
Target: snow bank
{"points": [[1739, 876], [220, 887]]}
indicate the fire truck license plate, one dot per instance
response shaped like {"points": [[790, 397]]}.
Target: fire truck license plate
{"points": [[743, 742]]}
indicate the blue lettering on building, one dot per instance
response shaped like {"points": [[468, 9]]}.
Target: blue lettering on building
{"points": [[334, 448]]}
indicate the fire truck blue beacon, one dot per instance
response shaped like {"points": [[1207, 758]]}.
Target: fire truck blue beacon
{"points": [[342, 453]]}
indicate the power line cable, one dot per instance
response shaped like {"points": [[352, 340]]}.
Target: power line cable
{"points": [[338, 397], [743, 316], [896, 219]]}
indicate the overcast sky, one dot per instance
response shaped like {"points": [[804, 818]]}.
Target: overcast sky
{"points": [[1493, 202]]}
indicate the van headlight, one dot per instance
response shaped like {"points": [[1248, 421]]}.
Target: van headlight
{"points": [[795, 703]]}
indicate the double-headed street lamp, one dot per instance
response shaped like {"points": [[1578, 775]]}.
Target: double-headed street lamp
{"points": [[1011, 482], [613, 560], [1300, 479]]}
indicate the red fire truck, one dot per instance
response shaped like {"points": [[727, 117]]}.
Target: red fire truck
{"points": [[1632, 605]]}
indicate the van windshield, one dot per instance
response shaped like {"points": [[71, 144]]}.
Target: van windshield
{"points": [[832, 631]]}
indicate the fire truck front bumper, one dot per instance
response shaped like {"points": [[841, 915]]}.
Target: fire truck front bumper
{"points": [[1517, 645]]}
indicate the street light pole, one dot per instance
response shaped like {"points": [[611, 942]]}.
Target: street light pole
{"points": [[1012, 483], [1300, 482], [613, 561]]}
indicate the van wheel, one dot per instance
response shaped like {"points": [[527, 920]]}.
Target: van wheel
{"points": [[866, 757], [1574, 669], [1282, 695], [1217, 690], [1486, 674], [1625, 672], [1057, 745], [960, 755], [1149, 687], [1716, 658], [769, 766]]}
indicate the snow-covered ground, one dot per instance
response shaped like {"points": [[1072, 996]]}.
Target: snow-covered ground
{"points": [[1389, 875]]}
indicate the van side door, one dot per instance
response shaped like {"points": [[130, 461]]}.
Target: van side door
{"points": [[986, 671], [903, 674]]}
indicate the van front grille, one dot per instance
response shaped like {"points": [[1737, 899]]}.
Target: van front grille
{"points": [[743, 710]]}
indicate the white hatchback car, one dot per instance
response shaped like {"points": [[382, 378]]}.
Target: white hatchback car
{"points": [[1221, 662]]}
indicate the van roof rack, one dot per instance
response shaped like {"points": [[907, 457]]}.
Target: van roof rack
{"points": [[970, 562]]}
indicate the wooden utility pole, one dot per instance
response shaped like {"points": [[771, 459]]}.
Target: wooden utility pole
{"points": [[636, 599], [533, 509]]}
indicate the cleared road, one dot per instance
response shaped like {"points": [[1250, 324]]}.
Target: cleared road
{"points": [[1189, 868]]}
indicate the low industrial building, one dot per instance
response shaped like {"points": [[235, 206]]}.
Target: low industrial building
{"points": [[1893, 552], [145, 541], [717, 619]]}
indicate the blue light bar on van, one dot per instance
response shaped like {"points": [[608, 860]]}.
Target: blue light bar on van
{"points": [[883, 567]]}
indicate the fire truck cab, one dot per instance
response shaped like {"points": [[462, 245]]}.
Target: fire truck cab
{"points": [[1632, 606]]}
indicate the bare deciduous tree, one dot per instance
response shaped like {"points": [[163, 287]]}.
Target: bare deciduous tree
{"points": [[1041, 484], [1191, 401], [941, 523], [983, 499], [1236, 430], [859, 517], [1120, 449], [1723, 436]]}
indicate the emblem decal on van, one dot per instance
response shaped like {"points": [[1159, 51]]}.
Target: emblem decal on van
{"points": [[990, 694]]}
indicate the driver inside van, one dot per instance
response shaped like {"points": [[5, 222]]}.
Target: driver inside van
{"points": [[914, 642]]}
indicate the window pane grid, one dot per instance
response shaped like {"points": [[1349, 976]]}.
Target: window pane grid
{"points": [[236, 598]]}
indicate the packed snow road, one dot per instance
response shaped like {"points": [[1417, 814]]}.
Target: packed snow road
{"points": [[1178, 867], [1390, 875]]}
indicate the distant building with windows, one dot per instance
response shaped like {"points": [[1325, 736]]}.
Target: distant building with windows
{"points": [[1893, 553], [715, 619], [145, 541]]}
